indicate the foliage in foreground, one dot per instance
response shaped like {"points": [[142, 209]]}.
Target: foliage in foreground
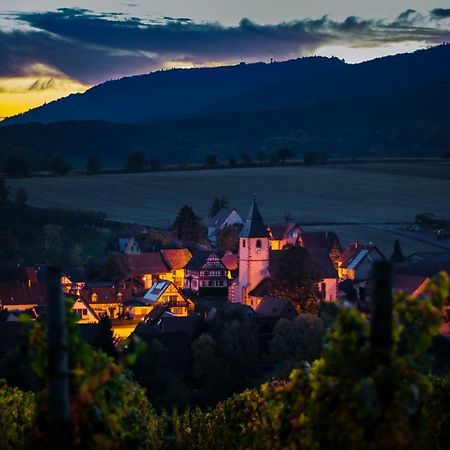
{"points": [[356, 396], [353, 397]]}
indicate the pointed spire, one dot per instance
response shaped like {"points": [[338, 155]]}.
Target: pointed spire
{"points": [[254, 225]]}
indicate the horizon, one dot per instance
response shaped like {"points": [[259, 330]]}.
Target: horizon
{"points": [[50, 52]]}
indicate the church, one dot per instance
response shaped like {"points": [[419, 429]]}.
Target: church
{"points": [[254, 255], [258, 255]]}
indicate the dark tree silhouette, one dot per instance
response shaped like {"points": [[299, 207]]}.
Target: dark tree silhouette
{"points": [[21, 196], [4, 192], [93, 165], [16, 166], [218, 204], [232, 161], [210, 161], [284, 154], [135, 162], [296, 276], [105, 339], [247, 159], [188, 226], [397, 254], [59, 166], [228, 239]]}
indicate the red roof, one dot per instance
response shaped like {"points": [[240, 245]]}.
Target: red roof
{"points": [[352, 251], [322, 258], [22, 294], [143, 263], [230, 261], [176, 258], [106, 294]]}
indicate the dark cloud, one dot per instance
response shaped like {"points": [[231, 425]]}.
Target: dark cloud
{"points": [[440, 13], [92, 47]]}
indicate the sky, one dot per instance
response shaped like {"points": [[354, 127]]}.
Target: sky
{"points": [[49, 49]]}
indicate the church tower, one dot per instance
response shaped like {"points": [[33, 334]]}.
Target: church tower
{"points": [[253, 255]]}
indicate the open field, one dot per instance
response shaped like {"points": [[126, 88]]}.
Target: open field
{"points": [[350, 195]]}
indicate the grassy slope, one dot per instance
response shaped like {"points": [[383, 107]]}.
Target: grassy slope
{"points": [[363, 194]]}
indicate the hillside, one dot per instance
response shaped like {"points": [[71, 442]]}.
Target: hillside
{"points": [[414, 122], [245, 87]]}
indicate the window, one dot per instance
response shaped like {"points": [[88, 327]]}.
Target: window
{"points": [[243, 243], [258, 246], [94, 297]]}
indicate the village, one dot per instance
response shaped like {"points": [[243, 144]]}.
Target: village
{"points": [[173, 290]]}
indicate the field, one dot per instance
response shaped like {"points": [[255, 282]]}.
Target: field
{"points": [[345, 198]]}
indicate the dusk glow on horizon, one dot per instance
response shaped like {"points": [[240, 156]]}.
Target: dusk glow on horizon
{"points": [[48, 52]]}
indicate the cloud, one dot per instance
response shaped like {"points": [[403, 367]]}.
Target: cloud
{"points": [[440, 13], [91, 47]]}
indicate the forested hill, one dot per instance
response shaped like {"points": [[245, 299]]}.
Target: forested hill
{"points": [[412, 122], [246, 87]]}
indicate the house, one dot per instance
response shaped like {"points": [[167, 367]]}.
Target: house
{"points": [[143, 269], [205, 274], [275, 308], [283, 234], [176, 259], [355, 262], [329, 282], [73, 279], [225, 217], [128, 245], [164, 293], [106, 299], [84, 312]]}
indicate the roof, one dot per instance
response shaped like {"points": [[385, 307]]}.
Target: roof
{"points": [[261, 289], [174, 324], [106, 294], [424, 268], [200, 258], [323, 260], [156, 290], [254, 226], [143, 263], [126, 244], [222, 215], [230, 261], [355, 252], [19, 293], [275, 307], [280, 231], [176, 258], [320, 239], [408, 283]]}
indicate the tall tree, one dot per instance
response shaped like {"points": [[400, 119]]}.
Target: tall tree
{"points": [[210, 161], [228, 239], [59, 166], [4, 192], [51, 244], [21, 196], [16, 166], [8, 248], [296, 276], [218, 204], [93, 165], [105, 340], [397, 254], [188, 226]]}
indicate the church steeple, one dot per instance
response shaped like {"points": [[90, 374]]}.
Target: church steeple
{"points": [[254, 226]]}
